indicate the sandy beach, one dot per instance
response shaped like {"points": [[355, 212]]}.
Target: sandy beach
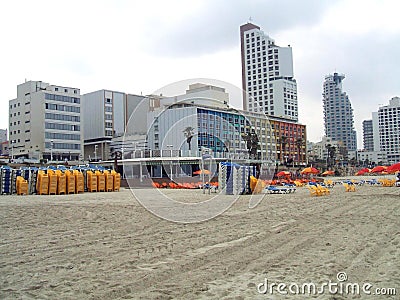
{"points": [[107, 246]]}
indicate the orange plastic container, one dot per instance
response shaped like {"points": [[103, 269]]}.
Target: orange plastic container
{"points": [[117, 180], [42, 183], [91, 181], [21, 186], [101, 181], [109, 181], [70, 182], [52, 182], [79, 182], [61, 183]]}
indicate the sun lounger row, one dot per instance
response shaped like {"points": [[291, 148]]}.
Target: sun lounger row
{"points": [[279, 190], [318, 190]]}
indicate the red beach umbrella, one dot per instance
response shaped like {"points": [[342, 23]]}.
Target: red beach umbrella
{"points": [[378, 169], [393, 168], [363, 171]]}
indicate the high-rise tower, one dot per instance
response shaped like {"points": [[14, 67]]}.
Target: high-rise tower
{"points": [[267, 75], [338, 113]]}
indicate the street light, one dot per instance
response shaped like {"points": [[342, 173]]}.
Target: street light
{"points": [[95, 152], [51, 150], [170, 147]]}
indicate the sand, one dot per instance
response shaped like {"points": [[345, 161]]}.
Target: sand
{"points": [[107, 246]]}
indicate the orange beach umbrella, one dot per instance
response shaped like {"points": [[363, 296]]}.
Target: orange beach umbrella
{"points": [[309, 170], [283, 173], [328, 172], [202, 172]]}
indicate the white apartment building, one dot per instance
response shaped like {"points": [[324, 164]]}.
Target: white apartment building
{"points": [[320, 149], [365, 157], [267, 75], [45, 122], [389, 129], [106, 115]]}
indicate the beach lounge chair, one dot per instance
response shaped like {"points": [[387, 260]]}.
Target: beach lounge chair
{"points": [[275, 190], [290, 187], [329, 183], [313, 190], [323, 190], [350, 187]]}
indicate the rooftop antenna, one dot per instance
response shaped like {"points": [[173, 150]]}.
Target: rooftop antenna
{"points": [[250, 19]]}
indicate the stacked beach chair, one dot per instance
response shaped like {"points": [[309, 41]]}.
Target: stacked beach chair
{"points": [[235, 178], [57, 181], [6, 180]]}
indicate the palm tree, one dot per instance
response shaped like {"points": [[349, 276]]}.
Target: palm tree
{"points": [[331, 154], [283, 142], [299, 144], [188, 132], [252, 143]]}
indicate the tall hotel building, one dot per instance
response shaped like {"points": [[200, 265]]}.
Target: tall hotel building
{"points": [[338, 113], [389, 129], [267, 75], [45, 122]]}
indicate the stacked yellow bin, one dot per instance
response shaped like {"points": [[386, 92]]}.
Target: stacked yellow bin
{"points": [[52, 182], [101, 181], [70, 182], [117, 180], [109, 181], [42, 183], [61, 182], [22, 186], [79, 182], [91, 181]]}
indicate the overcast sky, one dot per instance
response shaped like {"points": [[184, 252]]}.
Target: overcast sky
{"points": [[142, 46]]}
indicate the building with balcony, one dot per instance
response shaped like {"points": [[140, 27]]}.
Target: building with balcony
{"points": [[389, 129], [45, 122], [268, 82], [338, 112]]}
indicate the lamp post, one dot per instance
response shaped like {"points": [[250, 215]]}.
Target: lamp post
{"points": [[51, 150], [12, 151], [170, 151], [134, 149], [95, 152]]}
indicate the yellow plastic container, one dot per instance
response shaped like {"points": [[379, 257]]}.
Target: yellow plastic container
{"points": [[70, 182], [109, 181], [101, 181], [117, 180], [91, 181], [79, 182], [42, 183], [61, 183], [52, 182], [22, 186]]}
